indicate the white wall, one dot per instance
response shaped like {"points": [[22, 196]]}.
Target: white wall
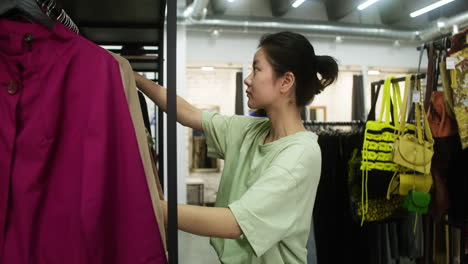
{"points": [[336, 99], [239, 48], [216, 87], [182, 168]]}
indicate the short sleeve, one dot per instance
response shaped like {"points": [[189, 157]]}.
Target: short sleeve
{"points": [[268, 210], [216, 130]]}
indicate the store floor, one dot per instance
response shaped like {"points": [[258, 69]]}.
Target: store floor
{"points": [[196, 250]]}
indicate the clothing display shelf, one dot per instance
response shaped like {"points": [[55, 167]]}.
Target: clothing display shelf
{"points": [[135, 25]]}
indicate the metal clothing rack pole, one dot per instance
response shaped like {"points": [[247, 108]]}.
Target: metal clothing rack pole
{"points": [[443, 43], [328, 123], [158, 112], [172, 131], [375, 86], [399, 79]]}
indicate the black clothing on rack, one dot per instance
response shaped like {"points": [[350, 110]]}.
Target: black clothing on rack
{"points": [[333, 222]]}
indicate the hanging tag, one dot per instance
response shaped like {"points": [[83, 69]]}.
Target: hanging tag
{"points": [[416, 96], [450, 63]]}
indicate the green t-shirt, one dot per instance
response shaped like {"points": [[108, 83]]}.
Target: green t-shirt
{"points": [[270, 188]]}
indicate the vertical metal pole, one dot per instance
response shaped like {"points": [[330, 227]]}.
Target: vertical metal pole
{"points": [[160, 117], [158, 112], [172, 130]]}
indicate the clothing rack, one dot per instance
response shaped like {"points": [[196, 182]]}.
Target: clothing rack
{"points": [[439, 44], [445, 43]]}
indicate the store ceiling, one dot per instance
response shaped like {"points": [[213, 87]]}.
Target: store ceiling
{"points": [[392, 13], [388, 19], [111, 21]]}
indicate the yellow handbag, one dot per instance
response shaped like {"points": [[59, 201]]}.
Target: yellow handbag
{"points": [[418, 182], [414, 152]]}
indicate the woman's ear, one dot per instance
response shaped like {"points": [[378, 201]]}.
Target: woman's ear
{"points": [[287, 82]]}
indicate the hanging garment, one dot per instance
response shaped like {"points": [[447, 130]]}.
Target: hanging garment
{"points": [[72, 184], [459, 84], [332, 214], [133, 101], [411, 243]]}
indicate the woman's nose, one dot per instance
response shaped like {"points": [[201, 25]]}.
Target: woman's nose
{"points": [[248, 81]]}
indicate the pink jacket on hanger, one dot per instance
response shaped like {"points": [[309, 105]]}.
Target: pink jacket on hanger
{"points": [[72, 183]]}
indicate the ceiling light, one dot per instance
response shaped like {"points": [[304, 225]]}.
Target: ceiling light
{"points": [[207, 68], [430, 7], [188, 11], [373, 72], [297, 3], [231, 1], [366, 4], [151, 48], [215, 33], [338, 39], [396, 43], [111, 47], [440, 24]]}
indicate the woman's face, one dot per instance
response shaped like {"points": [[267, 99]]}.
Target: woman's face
{"points": [[262, 84]]}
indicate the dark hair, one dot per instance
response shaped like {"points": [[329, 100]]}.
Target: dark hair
{"points": [[292, 52]]}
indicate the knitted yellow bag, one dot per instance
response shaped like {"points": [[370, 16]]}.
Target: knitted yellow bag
{"points": [[377, 165]]}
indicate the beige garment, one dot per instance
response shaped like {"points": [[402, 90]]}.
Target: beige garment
{"points": [[146, 157]]}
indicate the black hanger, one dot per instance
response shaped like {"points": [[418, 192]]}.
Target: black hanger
{"points": [[27, 9]]}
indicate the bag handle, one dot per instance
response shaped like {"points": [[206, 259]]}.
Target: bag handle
{"points": [[448, 94], [408, 81], [385, 99], [427, 129], [391, 90], [397, 99], [420, 111]]}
